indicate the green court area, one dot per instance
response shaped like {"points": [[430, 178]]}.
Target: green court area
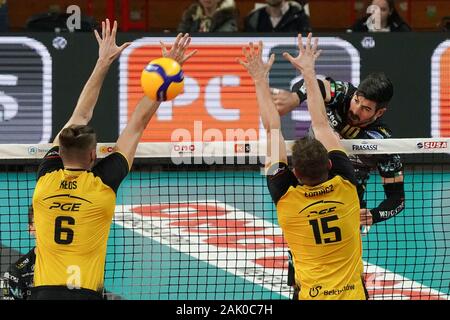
{"points": [[153, 255]]}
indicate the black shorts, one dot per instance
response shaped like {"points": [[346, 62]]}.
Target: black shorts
{"points": [[63, 293]]}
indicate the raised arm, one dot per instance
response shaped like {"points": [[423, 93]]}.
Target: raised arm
{"points": [[286, 101], [129, 138], [305, 63], [258, 70], [108, 51]]}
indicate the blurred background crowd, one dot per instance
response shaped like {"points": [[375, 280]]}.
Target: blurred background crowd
{"points": [[230, 15]]}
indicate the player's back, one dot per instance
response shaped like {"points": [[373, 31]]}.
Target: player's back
{"points": [[321, 226], [73, 211]]}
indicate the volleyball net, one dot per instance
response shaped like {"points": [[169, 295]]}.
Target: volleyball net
{"points": [[196, 221]]}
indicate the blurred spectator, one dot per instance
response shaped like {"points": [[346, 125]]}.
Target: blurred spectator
{"points": [[3, 15], [278, 16], [210, 16], [55, 21], [445, 24], [390, 20]]}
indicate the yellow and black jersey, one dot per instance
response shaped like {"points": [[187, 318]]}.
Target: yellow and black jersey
{"points": [[321, 226], [73, 211]]}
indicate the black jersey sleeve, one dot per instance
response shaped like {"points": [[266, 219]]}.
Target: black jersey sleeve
{"points": [[389, 165], [51, 162], [342, 166], [279, 179], [341, 92], [15, 288], [112, 170]]}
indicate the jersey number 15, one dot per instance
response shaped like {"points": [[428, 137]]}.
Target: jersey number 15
{"points": [[319, 236]]}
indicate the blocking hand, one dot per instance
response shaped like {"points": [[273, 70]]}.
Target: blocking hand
{"points": [[177, 52], [108, 49], [307, 54]]}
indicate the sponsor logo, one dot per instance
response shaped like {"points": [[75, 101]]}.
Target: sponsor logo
{"points": [[364, 146], [319, 202], [335, 292], [314, 292], [35, 150], [182, 149], [391, 213], [59, 43], [374, 134], [332, 119], [66, 206], [323, 211], [32, 150], [276, 169], [242, 148], [322, 191], [368, 43], [432, 145], [107, 149], [23, 263]]}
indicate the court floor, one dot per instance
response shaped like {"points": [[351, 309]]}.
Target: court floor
{"points": [[214, 235]]}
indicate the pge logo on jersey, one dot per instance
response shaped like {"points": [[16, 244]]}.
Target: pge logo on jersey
{"points": [[25, 91]]}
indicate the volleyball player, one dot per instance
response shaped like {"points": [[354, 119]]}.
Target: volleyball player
{"points": [[74, 198], [19, 277], [317, 203], [356, 113]]}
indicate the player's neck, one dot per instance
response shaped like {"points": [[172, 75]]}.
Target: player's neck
{"points": [[313, 183], [72, 165]]}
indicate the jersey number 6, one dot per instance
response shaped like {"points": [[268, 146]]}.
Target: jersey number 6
{"points": [[59, 230]]}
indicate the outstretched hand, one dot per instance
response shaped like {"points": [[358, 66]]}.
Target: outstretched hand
{"points": [[108, 49], [307, 54], [177, 52], [254, 64]]}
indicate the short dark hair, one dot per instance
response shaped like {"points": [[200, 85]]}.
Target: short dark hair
{"points": [[310, 158], [378, 88], [77, 139]]}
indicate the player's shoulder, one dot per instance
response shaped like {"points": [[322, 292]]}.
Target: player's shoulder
{"points": [[341, 86]]}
